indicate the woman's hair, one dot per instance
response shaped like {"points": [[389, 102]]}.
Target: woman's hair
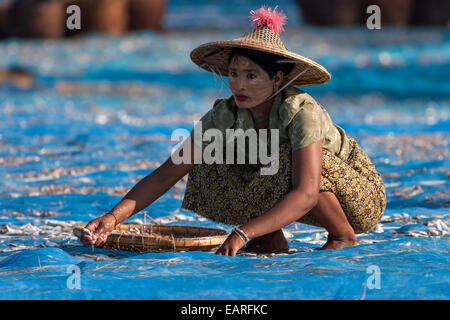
{"points": [[267, 61]]}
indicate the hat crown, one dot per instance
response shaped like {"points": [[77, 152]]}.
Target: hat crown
{"points": [[263, 36]]}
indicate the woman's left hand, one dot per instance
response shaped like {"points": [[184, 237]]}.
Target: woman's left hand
{"points": [[231, 245]]}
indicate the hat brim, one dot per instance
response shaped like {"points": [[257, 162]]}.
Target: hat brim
{"points": [[213, 56]]}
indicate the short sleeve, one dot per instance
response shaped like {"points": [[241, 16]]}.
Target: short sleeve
{"points": [[206, 122], [219, 117], [307, 126]]}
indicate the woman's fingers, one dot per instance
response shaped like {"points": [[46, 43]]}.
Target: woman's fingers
{"points": [[101, 239], [87, 237], [101, 235], [229, 247], [222, 250], [91, 233], [97, 230]]}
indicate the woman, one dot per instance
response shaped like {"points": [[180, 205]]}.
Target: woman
{"points": [[324, 178]]}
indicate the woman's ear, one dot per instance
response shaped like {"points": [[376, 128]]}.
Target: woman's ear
{"points": [[278, 79]]}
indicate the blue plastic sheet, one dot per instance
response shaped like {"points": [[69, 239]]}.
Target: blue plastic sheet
{"points": [[99, 116], [409, 268]]}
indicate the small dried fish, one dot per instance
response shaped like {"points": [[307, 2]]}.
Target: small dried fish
{"points": [[378, 229], [408, 192]]}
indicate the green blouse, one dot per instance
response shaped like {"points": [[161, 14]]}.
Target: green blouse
{"points": [[299, 118]]}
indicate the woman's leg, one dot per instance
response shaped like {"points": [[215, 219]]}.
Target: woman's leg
{"points": [[329, 213], [351, 198]]}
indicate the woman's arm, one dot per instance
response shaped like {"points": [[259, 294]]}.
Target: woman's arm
{"points": [[153, 186], [144, 193], [306, 172]]}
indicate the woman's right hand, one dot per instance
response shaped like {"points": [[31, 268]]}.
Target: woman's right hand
{"points": [[97, 230]]}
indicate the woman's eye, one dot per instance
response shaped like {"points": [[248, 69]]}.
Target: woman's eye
{"points": [[251, 76], [232, 73]]}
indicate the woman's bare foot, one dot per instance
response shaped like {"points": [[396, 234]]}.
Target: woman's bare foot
{"points": [[274, 242], [339, 243]]}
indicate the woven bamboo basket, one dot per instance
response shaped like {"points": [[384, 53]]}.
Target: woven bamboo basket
{"points": [[142, 238]]}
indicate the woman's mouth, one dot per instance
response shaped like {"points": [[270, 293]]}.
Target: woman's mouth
{"points": [[240, 97]]}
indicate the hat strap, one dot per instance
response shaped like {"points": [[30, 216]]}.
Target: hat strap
{"points": [[290, 81]]}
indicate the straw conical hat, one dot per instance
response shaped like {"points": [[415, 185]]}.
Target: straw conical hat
{"points": [[213, 56]]}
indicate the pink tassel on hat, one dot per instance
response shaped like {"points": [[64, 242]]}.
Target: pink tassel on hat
{"points": [[266, 17]]}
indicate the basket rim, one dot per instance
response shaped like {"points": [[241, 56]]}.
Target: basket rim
{"points": [[164, 241], [127, 226]]}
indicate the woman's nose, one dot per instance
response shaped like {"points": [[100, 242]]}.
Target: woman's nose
{"points": [[241, 84]]}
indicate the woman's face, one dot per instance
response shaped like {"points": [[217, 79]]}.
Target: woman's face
{"points": [[249, 83]]}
